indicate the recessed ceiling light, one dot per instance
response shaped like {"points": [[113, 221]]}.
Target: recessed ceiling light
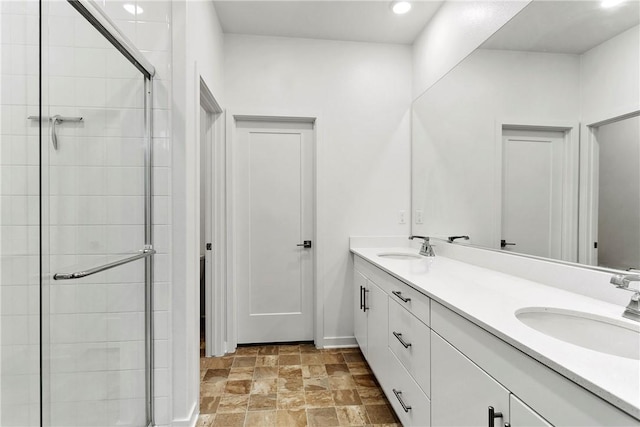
{"points": [[133, 9], [610, 3], [400, 7]]}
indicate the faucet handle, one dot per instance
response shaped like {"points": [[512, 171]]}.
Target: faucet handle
{"points": [[425, 238], [618, 280], [622, 281]]}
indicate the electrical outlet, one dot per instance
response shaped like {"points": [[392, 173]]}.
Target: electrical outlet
{"points": [[419, 216], [402, 217]]}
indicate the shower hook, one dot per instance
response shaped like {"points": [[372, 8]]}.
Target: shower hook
{"points": [[56, 120]]}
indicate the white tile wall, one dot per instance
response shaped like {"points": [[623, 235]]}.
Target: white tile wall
{"points": [[19, 292]]}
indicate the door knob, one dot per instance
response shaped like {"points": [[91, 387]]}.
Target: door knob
{"points": [[306, 244]]}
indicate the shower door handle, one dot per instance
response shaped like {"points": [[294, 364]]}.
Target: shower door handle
{"points": [[145, 253]]}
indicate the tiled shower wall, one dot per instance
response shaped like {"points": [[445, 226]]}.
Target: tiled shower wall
{"points": [[94, 327], [19, 280]]}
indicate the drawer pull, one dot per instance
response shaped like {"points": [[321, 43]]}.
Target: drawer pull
{"points": [[399, 337], [364, 299], [493, 415], [399, 295], [361, 303], [398, 394]]}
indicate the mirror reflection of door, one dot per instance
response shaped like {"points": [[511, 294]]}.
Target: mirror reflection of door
{"points": [[618, 244], [532, 191]]}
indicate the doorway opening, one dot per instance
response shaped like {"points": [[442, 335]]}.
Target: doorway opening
{"points": [[212, 218], [613, 239]]}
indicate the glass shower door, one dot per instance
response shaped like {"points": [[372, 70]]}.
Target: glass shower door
{"points": [[95, 238]]}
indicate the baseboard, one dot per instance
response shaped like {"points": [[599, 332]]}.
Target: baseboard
{"points": [[340, 342], [188, 422]]}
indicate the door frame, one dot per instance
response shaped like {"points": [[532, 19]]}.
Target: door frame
{"points": [[570, 175], [589, 179], [215, 217], [232, 117]]}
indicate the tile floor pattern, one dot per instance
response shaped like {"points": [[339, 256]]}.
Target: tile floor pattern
{"points": [[291, 385]]}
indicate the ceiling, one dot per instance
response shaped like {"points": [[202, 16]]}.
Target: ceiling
{"points": [[362, 21], [564, 26]]}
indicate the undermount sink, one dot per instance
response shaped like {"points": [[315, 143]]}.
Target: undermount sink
{"points": [[399, 255], [597, 333]]}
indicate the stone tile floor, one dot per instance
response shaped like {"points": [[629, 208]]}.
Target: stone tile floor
{"points": [[291, 385]]}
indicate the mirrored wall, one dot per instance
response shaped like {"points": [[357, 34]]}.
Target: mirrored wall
{"points": [[530, 145]]}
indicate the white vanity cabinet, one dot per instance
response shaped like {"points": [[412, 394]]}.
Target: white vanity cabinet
{"points": [[521, 415], [391, 327], [409, 342], [371, 318], [437, 368], [544, 397], [462, 392], [359, 315]]}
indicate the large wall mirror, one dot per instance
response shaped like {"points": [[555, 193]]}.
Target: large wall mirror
{"points": [[531, 144]]}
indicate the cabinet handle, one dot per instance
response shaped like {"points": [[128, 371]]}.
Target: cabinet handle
{"points": [[399, 336], [361, 303], [364, 299], [398, 394], [399, 295], [493, 415]]}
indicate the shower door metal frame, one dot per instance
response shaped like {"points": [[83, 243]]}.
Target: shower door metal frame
{"points": [[103, 24]]}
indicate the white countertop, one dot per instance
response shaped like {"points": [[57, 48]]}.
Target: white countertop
{"points": [[490, 299]]}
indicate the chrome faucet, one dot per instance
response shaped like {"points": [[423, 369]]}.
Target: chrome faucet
{"points": [[426, 249], [622, 281]]}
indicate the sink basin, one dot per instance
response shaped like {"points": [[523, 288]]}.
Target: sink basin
{"points": [[597, 333], [399, 255]]}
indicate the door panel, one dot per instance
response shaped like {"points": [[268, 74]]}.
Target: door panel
{"points": [[274, 202], [532, 192]]}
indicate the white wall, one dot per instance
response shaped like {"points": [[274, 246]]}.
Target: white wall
{"points": [[19, 222], [361, 93], [197, 46], [610, 77], [455, 31]]}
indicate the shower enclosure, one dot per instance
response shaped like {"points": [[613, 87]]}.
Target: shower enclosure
{"points": [[75, 219]]}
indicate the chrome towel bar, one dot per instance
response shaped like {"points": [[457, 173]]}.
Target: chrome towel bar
{"points": [[80, 274]]}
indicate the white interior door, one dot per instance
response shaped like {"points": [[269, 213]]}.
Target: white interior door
{"points": [[274, 206], [532, 191]]}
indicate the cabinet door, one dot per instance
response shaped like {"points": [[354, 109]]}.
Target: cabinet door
{"points": [[359, 315], [461, 392], [523, 416], [377, 305]]}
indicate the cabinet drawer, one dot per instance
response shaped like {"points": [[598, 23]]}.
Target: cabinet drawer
{"points": [[410, 299], [415, 353], [401, 387]]}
